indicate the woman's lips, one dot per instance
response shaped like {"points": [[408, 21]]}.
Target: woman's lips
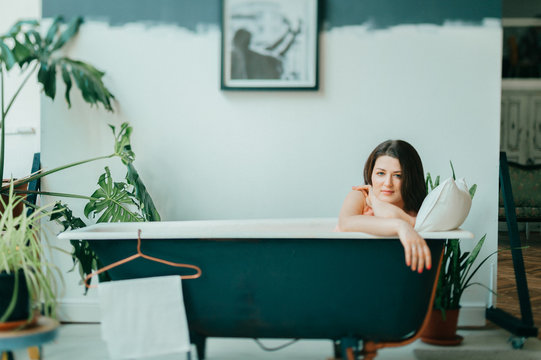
{"points": [[387, 192]]}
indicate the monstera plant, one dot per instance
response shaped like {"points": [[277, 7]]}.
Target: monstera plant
{"points": [[27, 49]]}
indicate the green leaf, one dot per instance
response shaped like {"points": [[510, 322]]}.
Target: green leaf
{"points": [[72, 29], [63, 215], [114, 201], [67, 80], [23, 53], [476, 250], [147, 205], [53, 29], [6, 55], [453, 169], [16, 28], [34, 37], [428, 182], [89, 81], [47, 77], [123, 143], [473, 189]]}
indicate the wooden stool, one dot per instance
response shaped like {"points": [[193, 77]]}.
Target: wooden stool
{"points": [[31, 337]]}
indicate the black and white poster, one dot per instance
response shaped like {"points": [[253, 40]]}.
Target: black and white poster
{"points": [[269, 44]]}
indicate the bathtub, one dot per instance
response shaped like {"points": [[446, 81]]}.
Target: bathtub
{"points": [[282, 278]]}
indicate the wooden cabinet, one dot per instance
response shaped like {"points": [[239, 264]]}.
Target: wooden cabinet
{"points": [[520, 134]]}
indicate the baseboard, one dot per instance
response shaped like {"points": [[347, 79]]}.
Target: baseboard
{"points": [[472, 315], [79, 311]]}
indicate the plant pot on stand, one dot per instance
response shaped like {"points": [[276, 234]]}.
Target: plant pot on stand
{"points": [[14, 300]]}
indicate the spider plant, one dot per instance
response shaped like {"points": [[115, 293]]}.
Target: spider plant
{"points": [[457, 269], [23, 252]]}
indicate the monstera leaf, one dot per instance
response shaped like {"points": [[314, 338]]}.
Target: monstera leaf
{"points": [[113, 200]]}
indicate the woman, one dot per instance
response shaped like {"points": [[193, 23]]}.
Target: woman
{"points": [[388, 204]]}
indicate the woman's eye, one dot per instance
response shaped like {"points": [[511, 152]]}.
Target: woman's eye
{"points": [[398, 176], [380, 173]]}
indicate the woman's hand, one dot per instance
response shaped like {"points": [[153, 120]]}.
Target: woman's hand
{"points": [[417, 252]]}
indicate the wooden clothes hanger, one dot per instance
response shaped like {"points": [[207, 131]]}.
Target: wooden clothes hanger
{"points": [[138, 255]]}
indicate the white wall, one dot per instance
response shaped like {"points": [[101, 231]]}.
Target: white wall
{"points": [[23, 120], [209, 154]]}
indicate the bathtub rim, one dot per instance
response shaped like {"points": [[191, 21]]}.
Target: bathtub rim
{"points": [[235, 229]]}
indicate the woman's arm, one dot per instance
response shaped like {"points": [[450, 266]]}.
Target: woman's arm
{"points": [[386, 210], [416, 250]]}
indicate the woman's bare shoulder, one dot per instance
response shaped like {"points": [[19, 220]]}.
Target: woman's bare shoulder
{"points": [[354, 203]]}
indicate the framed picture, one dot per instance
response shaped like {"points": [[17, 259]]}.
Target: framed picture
{"points": [[269, 44]]}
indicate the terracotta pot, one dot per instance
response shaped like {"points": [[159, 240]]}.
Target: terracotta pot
{"points": [[19, 208], [440, 332]]}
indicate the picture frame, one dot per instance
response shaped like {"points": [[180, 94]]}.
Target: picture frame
{"points": [[270, 45]]}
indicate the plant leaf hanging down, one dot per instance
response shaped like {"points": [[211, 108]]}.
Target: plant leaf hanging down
{"points": [[30, 47], [113, 200]]}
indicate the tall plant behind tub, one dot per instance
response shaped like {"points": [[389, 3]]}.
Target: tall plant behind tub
{"points": [[24, 47], [28, 278], [113, 201], [456, 276]]}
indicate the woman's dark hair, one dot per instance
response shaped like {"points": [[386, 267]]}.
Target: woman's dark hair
{"points": [[413, 188]]}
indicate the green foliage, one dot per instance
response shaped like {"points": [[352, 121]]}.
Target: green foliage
{"points": [[456, 271], [22, 249], [30, 48], [145, 201], [23, 46], [113, 200]]}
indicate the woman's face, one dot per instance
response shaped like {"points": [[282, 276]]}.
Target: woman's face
{"points": [[387, 180]]}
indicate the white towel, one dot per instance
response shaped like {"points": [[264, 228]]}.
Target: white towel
{"points": [[143, 317]]}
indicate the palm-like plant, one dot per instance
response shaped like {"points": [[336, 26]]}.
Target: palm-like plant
{"points": [[457, 266], [23, 46]]}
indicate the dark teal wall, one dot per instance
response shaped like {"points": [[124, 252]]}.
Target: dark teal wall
{"points": [[189, 13]]}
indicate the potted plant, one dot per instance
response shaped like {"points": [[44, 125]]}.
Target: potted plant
{"points": [[456, 275], [24, 47], [27, 278]]}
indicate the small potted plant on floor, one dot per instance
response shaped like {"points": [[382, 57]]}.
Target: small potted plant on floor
{"points": [[456, 274], [27, 278]]}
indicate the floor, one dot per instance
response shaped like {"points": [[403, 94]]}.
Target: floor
{"points": [[507, 298], [83, 342]]}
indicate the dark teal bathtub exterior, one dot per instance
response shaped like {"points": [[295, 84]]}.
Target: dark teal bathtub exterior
{"points": [[289, 288]]}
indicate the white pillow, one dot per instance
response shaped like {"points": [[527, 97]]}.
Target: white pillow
{"points": [[444, 208]]}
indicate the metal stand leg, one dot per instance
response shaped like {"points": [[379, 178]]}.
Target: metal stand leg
{"points": [[523, 327]]}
